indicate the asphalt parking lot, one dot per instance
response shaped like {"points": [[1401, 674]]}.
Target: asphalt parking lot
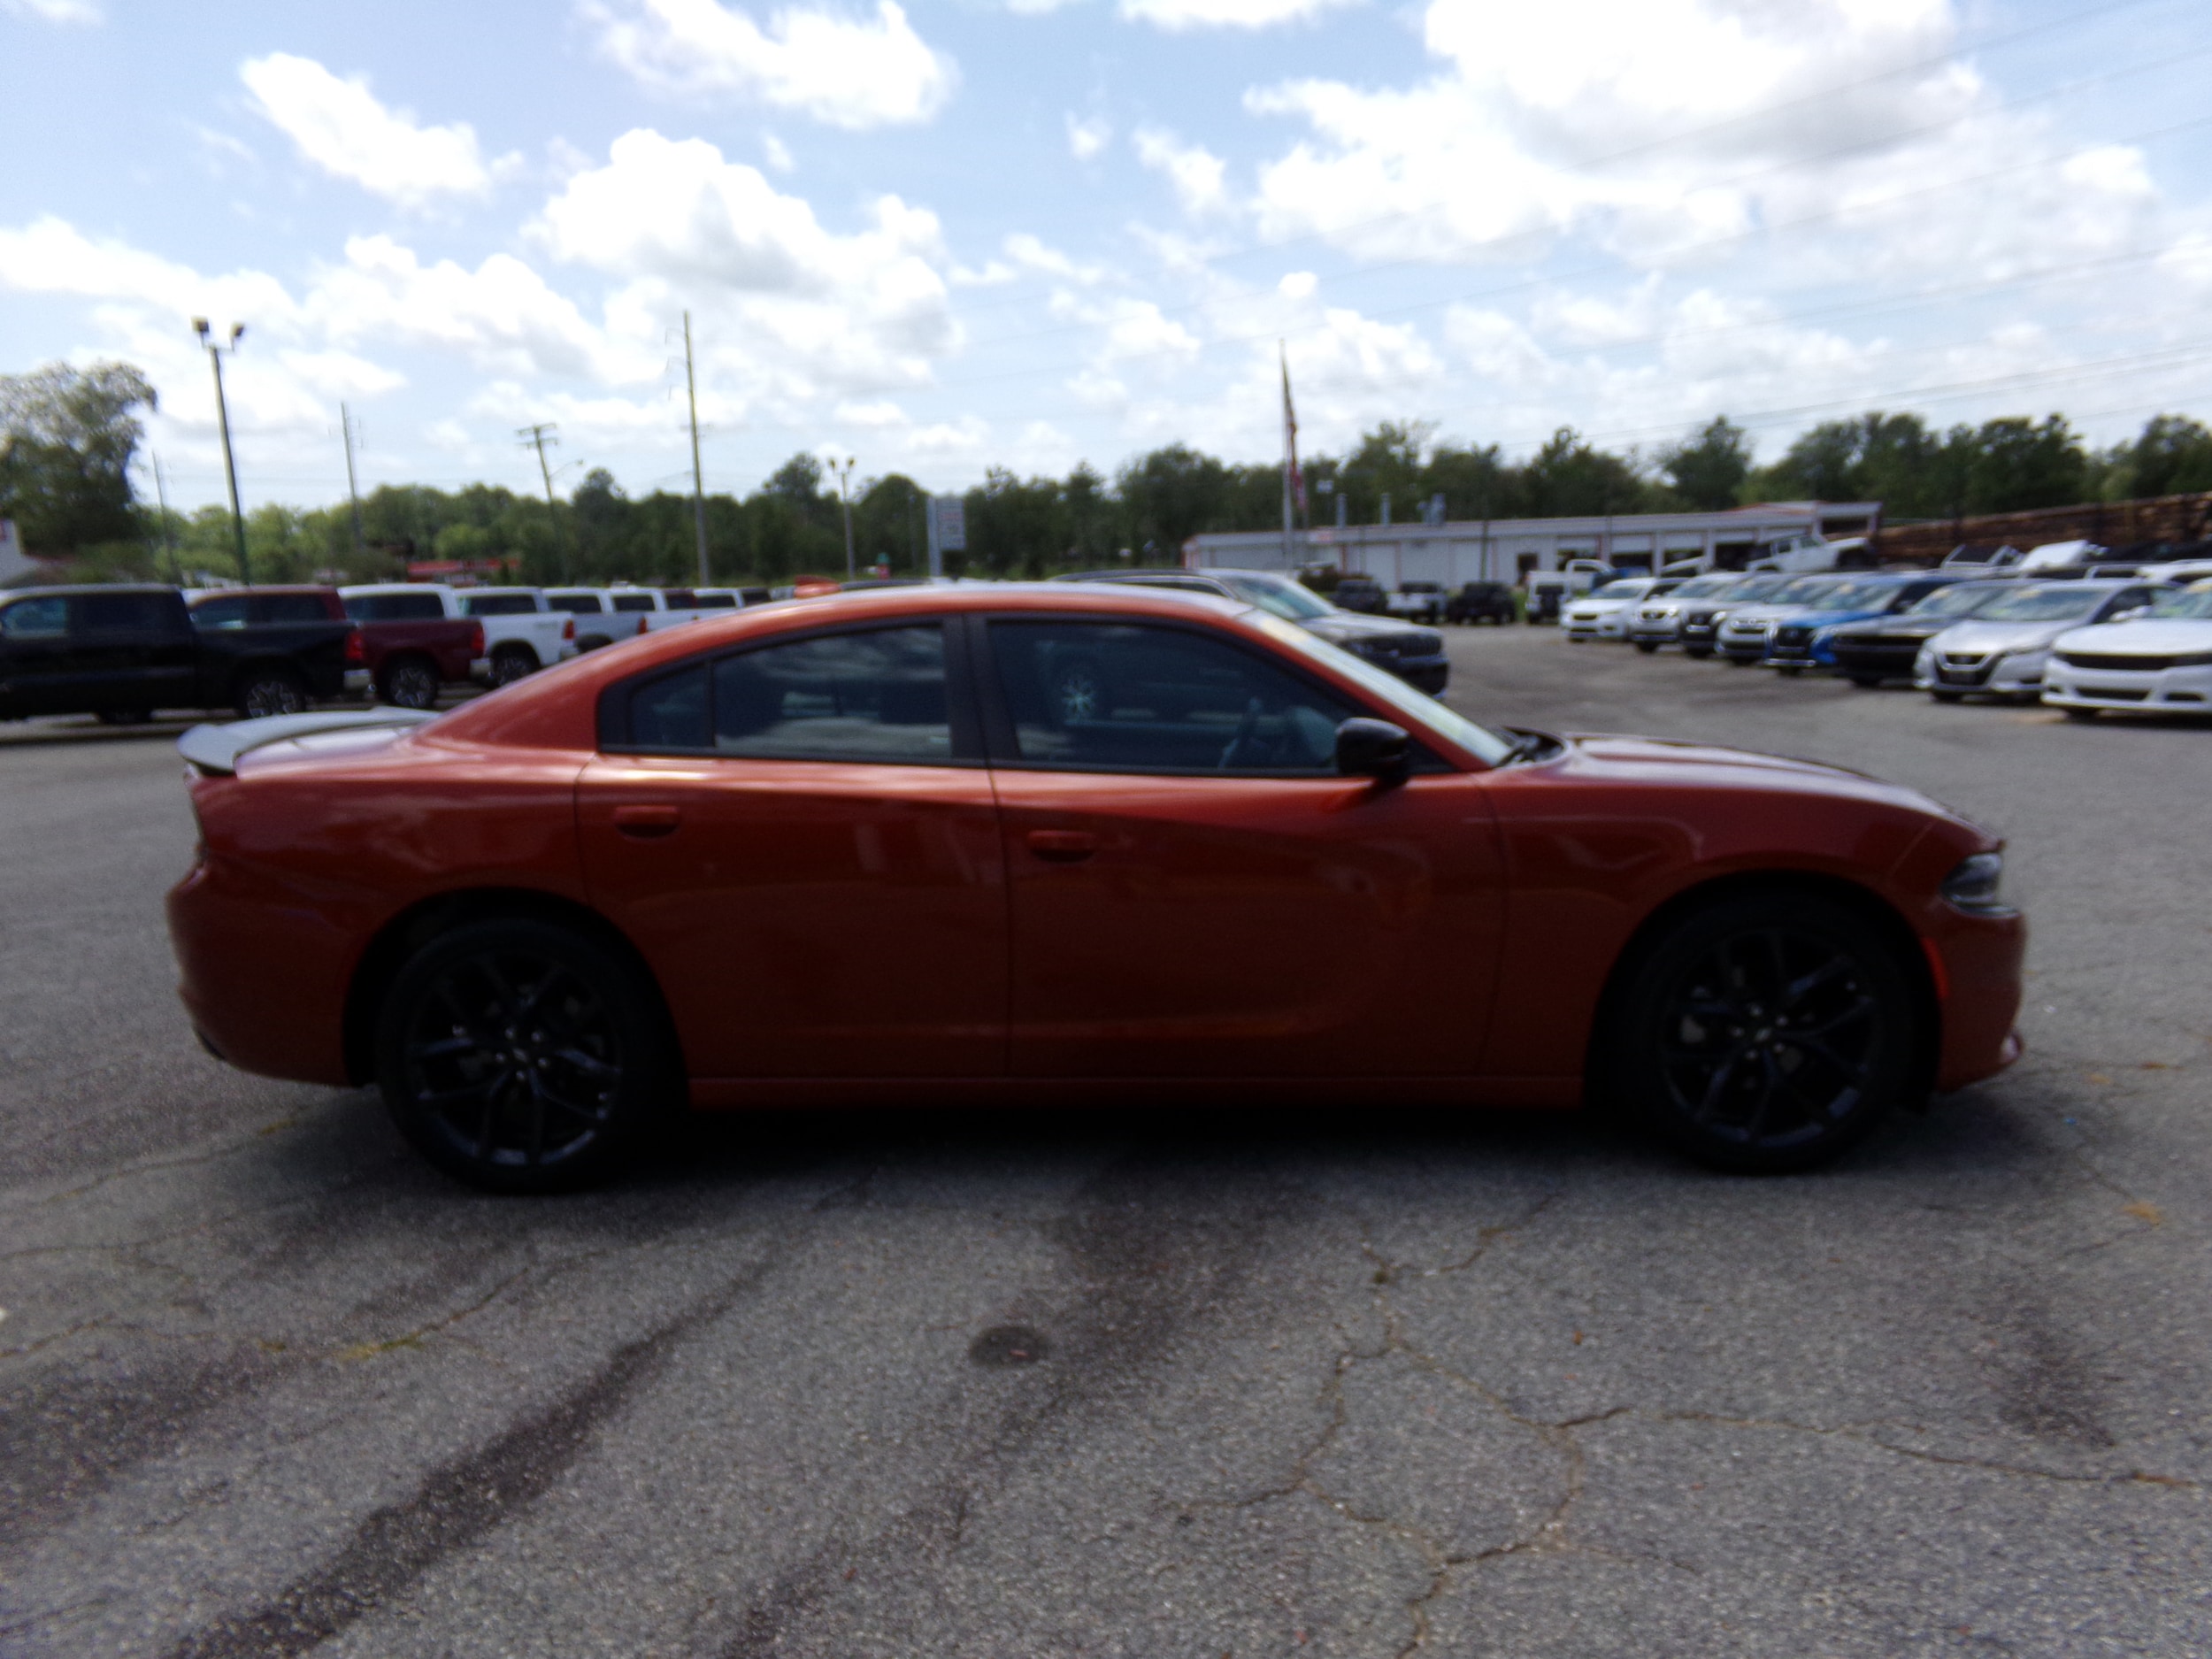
{"points": [[1028, 1386]]}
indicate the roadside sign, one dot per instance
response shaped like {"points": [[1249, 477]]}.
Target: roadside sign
{"points": [[947, 530]]}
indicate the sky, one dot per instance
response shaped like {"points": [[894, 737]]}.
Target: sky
{"points": [[938, 238]]}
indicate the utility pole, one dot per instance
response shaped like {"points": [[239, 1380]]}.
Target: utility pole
{"points": [[168, 533], [222, 415], [535, 437], [353, 491], [844, 477], [698, 488]]}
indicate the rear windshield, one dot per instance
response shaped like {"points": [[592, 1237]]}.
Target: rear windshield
{"points": [[714, 601], [2044, 605], [500, 605], [634, 602], [575, 604], [395, 607]]}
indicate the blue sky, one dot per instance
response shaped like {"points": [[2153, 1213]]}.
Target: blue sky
{"points": [[1026, 233]]}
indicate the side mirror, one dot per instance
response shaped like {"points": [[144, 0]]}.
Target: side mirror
{"points": [[1373, 748]]}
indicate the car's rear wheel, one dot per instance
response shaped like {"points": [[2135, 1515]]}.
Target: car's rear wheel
{"points": [[409, 682], [521, 1057], [263, 692], [1767, 1034], [510, 663]]}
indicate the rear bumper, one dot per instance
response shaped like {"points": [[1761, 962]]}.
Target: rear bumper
{"points": [[264, 980]]}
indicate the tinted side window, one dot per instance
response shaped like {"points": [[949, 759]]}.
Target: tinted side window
{"points": [[633, 602], [123, 613], [499, 605], [714, 601], [1130, 697], [670, 712], [229, 612], [575, 604], [879, 695], [36, 619], [278, 608]]}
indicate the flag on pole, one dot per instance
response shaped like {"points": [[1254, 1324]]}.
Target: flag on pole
{"points": [[1293, 479]]}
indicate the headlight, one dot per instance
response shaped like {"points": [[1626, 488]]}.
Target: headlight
{"points": [[1973, 886]]}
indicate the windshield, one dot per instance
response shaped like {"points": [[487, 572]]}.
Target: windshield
{"points": [[1861, 595], [1749, 588], [1802, 591], [1278, 596], [2044, 604], [2193, 602], [1421, 709], [1703, 587], [1958, 600], [1622, 587]]}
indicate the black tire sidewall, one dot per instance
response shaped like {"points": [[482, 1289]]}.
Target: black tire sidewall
{"points": [[269, 676], [523, 660], [651, 1077], [388, 685], [1630, 1079]]}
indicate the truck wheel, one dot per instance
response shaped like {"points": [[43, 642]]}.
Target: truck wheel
{"points": [[263, 692], [520, 1056], [1766, 1033], [409, 682], [510, 663]]}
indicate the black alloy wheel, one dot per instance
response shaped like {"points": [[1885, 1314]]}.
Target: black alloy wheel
{"points": [[521, 1057], [409, 683], [510, 663], [1767, 1034], [269, 691]]}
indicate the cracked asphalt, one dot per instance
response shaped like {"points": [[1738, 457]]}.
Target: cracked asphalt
{"points": [[1108, 1384]]}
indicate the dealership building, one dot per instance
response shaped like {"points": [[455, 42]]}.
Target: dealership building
{"points": [[1505, 550]]}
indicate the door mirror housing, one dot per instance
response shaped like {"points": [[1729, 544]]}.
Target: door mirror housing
{"points": [[1373, 748]]}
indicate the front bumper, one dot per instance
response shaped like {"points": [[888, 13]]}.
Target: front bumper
{"points": [[1997, 674], [1745, 645], [2179, 690]]}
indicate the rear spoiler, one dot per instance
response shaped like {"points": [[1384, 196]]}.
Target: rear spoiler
{"points": [[213, 750]]}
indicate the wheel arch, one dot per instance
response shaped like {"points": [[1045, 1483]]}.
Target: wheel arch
{"points": [[1912, 957], [522, 647], [407, 933]]}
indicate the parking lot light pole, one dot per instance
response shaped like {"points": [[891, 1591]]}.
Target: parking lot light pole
{"points": [[222, 418], [844, 496]]}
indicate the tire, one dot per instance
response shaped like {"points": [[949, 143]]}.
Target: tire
{"points": [[1948, 696], [263, 692], [1867, 682], [521, 1057], [408, 682], [592, 642], [1650, 648], [1789, 671], [510, 663], [1767, 1034], [1079, 691], [2082, 714], [1697, 653]]}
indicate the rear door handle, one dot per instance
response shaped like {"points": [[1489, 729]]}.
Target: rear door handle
{"points": [[1061, 846], [648, 820]]}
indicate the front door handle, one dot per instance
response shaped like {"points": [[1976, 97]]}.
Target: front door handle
{"points": [[648, 821], [1062, 846]]}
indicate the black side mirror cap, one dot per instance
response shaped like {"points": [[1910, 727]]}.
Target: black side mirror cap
{"points": [[1373, 748]]}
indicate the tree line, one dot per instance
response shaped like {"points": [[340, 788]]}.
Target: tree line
{"points": [[69, 437]]}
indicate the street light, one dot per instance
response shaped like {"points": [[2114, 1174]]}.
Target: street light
{"points": [[222, 415], [844, 477]]}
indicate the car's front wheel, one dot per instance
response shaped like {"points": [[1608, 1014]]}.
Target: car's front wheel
{"points": [[1766, 1034], [521, 1057]]}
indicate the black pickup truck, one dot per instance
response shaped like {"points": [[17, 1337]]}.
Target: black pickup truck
{"points": [[123, 652]]}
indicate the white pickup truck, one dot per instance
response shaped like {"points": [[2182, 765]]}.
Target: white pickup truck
{"points": [[604, 615], [522, 633]]}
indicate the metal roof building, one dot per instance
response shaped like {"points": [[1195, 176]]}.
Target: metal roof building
{"points": [[1501, 549]]}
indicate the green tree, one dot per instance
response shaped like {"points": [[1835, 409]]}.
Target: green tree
{"points": [[1569, 478], [1708, 470], [67, 436], [2018, 464], [2171, 457]]}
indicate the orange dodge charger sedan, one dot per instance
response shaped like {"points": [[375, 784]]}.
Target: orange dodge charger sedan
{"points": [[978, 842]]}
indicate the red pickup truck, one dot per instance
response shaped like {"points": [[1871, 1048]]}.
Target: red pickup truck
{"points": [[413, 647]]}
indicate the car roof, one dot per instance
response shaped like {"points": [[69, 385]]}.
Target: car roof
{"points": [[268, 588], [77, 589]]}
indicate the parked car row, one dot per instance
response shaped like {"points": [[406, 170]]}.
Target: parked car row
{"points": [[2136, 640], [122, 653]]}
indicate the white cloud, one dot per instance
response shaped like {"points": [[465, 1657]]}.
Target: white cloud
{"points": [[1200, 177], [1178, 15], [1298, 285], [1087, 137], [340, 126], [848, 72], [776, 153], [81, 11]]}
